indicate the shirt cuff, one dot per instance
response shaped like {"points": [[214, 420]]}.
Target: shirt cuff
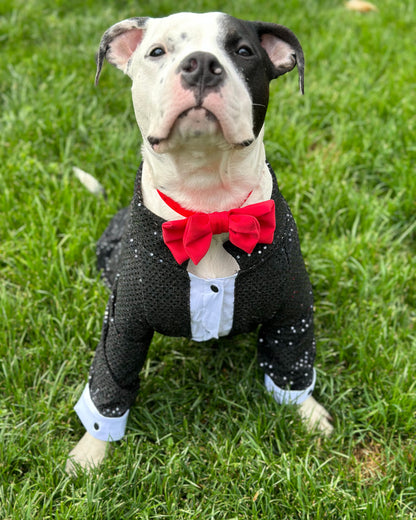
{"points": [[97, 425], [289, 396]]}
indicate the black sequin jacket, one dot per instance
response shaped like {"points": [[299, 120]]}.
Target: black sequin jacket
{"points": [[150, 292]]}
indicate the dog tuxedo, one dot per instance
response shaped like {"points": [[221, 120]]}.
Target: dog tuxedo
{"points": [[151, 291]]}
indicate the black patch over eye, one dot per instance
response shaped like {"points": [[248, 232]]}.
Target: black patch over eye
{"points": [[244, 51], [157, 52]]}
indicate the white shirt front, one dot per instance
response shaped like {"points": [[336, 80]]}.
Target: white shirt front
{"points": [[212, 306]]}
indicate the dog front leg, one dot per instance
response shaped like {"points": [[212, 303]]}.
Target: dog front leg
{"points": [[114, 378], [105, 402], [286, 354]]}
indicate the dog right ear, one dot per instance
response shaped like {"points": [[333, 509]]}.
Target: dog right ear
{"points": [[283, 48], [119, 42]]}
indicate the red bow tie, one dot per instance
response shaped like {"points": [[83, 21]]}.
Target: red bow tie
{"points": [[191, 237]]}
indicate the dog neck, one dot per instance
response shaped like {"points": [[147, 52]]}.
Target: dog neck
{"points": [[206, 179]]}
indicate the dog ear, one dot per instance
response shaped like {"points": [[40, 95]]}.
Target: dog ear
{"points": [[283, 49], [119, 42]]}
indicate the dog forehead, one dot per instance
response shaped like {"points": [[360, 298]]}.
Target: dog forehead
{"points": [[199, 30], [184, 27]]}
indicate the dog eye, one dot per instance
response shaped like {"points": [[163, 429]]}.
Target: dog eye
{"points": [[244, 51], [157, 52]]}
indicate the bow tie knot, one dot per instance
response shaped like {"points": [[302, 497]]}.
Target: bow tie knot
{"points": [[218, 221], [191, 237]]}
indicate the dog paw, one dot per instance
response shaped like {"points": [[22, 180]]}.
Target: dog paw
{"points": [[316, 417], [87, 455]]}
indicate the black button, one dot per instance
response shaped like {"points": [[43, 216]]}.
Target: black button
{"points": [[214, 288], [96, 426]]}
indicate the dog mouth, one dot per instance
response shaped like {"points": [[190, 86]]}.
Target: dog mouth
{"points": [[199, 112], [192, 123], [196, 124]]}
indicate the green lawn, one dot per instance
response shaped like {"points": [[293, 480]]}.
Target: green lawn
{"points": [[206, 442]]}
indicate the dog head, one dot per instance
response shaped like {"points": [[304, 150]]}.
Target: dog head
{"points": [[200, 77]]}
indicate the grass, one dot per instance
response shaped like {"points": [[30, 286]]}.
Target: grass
{"points": [[206, 442]]}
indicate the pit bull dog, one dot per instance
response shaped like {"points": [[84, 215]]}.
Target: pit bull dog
{"points": [[208, 246]]}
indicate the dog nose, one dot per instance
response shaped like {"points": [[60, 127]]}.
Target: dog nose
{"points": [[201, 70]]}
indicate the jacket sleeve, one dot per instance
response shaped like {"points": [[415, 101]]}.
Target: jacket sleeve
{"points": [[125, 338], [286, 352], [122, 351], [286, 344]]}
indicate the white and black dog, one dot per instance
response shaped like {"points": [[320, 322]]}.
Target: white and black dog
{"points": [[208, 246]]}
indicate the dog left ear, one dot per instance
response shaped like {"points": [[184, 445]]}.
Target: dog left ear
{"points": [[119, 42], [283, 49]]}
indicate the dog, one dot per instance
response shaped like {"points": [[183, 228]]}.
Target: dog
{"points": [[208, 246]]}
